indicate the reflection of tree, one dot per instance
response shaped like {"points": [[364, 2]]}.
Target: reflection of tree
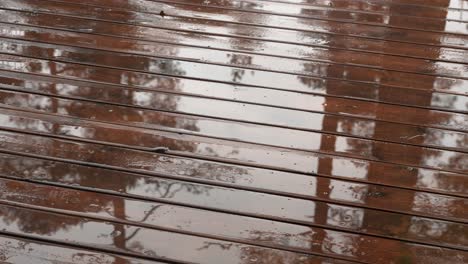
{"points": [[167, 189], [30, 223], [237, 43], [434, 137], [74, 201], [26, 222], [257, 254], [444, 101], [239, 59], [370, 148]]}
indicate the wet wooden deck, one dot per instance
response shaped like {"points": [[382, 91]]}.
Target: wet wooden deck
{"points": [[238, 131]]}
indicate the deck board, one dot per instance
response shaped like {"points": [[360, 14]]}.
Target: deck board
{"points": [[253, 131], [185, 202]]}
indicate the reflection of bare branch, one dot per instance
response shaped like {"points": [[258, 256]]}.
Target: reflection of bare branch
{"points": [[241, 60], [133, 234], [222, 246], [167, 190], [171, 195], [167, 194]]}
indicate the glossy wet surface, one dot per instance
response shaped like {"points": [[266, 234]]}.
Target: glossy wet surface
{"points": [[253, 131]]}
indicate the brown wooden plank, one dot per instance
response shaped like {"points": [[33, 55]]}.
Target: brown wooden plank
{"points": [[455, 4], [214, 149], [235, 153], [177, 197], [331, 13], [20, 250], [412, 8], [421, 117], [185, 24], [155, 22], [364, 91], [347, 193], [322, 58], [339, 72], [342, 146], [309, 11], [139, 241], [435, 18], [316, 40], [442, 10], [167, 86], [118, 97], [343, 28], [109, 236], [211, 224]]}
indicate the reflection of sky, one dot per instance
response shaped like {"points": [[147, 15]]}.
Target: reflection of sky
{"points": [[222, 73], [340, 243], [458, 102], [345, 191], [252, 113], [344, 216], [350, 168], [13, 251]]}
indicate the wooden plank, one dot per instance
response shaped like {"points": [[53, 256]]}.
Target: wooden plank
{"points": [[187, 107], [335, 41], [96, 92], [305, 53], [453, 4], [279, 7], [218, 28], [215, 149], [409, 36], [217, 225], [339, 72], [342, 146], [416, 116], [364, 91], [237, 153], [440, 10], [138, 241], [248, 178], [331, 12], [318, 56], [20, 250]]}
